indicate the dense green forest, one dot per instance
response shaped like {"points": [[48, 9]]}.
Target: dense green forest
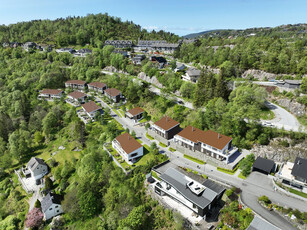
{"points": [[71, 31], [266, 51]]}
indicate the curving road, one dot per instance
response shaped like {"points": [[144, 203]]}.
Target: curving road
{"points": [[283, 119]]}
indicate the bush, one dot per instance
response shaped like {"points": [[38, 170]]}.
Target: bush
{"points": [[37, 204], [265, 200], [284, 143], [229, 192]]}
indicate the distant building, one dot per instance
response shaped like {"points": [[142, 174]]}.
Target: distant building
{"points": [[66, 50], [51, 205], [135, 114], [121, 44], [113, 94], [191, 75], [156, 45], [75, 84], [161, 61], [179, 67], [29, 45], [83, 52], [97, 87], [36, 168], [200, 198], [137, 59], [50, 94], [91, 108], [128, 147], [290, 84]]}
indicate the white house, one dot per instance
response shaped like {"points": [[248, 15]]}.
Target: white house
{"points": [[36, 167], [191, 75], [128, 147], [51, 94], [51, 206], [90, 108]]}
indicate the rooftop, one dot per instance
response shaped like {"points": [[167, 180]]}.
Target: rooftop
{"points": [[166, 123], [194, 72], [180, 182], [97, 84], [34, 162], [78, 82], [77, 94], [264, 164], [300, 168], [135, 111], [112, 92], [90, 106], [261, 224], [51, 91], [209, 137], [128, 143], [50, 199], [294, 82]]}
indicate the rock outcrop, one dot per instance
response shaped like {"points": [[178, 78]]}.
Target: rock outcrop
{"points": [[258, 74], [151, 80], [292, 106], [278, 153]]}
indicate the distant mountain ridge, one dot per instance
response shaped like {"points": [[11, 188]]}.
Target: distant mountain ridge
{"points": [[194, 35]]}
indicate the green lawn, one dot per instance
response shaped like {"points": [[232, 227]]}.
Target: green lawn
{"points": [[303, 120], [171, 149], [146, 157], [145, 120], [162, 145], [122, 112], [230, 172], [267, 114], [194, 159], [118, 114], [117, 156], [241, 176], [298, 192], [149, 137], [138, 140]]}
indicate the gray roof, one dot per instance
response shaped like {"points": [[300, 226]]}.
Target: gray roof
{"points": [[34, 162], [179, 182], [49, 200], [293, 82], [214, 186], [264, 164], [261, 224], [193, 72], [114, 42], [300, 168]]}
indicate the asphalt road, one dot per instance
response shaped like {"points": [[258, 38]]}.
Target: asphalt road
{"points": [[283, 119]]}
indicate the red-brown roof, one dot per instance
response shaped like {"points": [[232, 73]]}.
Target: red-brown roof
{"points": [[97, 84], [166, 123], [51, 91], [77, 94], [112, 92], [209, 137], [90, 106], [128, 143], [135, 111], [78, 82]]}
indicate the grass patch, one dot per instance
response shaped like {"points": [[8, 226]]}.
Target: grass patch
{"points": [[171, 149], [302, 194], [145, 120], [118, 114], [228, 171], [162, 145], [155, 175], [138, 140], [149, 137], [241, 176], [118, 157], [302, 121], [122, 112], [267, 114], [194, 159]]}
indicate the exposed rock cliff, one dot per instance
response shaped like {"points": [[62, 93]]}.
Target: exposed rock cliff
{"points": [[292, 106], [152, 80]]}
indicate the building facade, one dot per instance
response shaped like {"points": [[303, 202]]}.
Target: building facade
{"points": [[135, 114], [75, 84], [51, 206], [51, 94], [97, 87], [166, 127], [114, 94]]}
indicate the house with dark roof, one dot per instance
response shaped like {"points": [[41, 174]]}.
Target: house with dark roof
{"points": [[51, 205], [191, 75], [36, 168], [160, 61], [259, 223], [198, 197], [91, 108], [77, 97], [82, 52], [97, 87], [114, 94], [135, 114], [128, 147], [294, 174], [50, 94], [164, 129], [265, 166], [197, 143], [75, 84]]}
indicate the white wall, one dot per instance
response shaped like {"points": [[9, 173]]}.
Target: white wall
{"points": [[139, 151]]}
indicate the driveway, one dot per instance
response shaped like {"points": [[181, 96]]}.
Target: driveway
{"points": [[283, 119]]}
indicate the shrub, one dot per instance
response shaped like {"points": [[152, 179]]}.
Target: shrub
{"points": [[37, 204], [229, 192], [265, 200], [34, 218]]}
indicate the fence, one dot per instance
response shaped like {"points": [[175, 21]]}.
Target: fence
{"points": [[22, 183]]}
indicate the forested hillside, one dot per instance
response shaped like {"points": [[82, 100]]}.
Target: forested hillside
{"points": [[279, 50], [92, 30]]}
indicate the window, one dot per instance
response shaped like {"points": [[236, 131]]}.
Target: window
{"points": [[50, 208], [56, 206], [194, 206], [133, 154], [58, 211]]}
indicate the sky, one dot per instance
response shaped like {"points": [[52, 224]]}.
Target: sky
{"points": [[181, 16]]}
